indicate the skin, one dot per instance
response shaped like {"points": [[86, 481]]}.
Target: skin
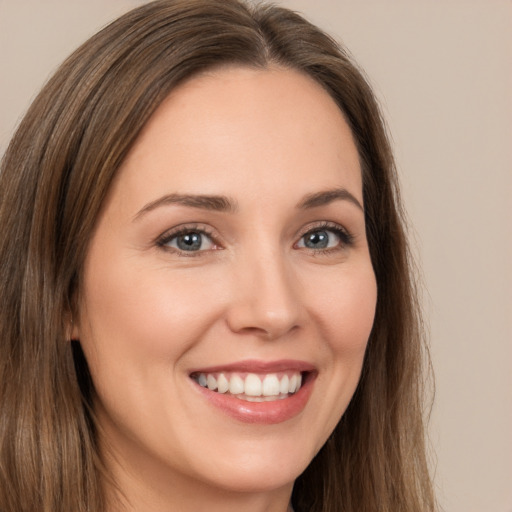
{"points": [[150, 314]]}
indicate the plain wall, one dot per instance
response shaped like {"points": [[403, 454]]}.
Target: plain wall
{"points": [[443, 73]]}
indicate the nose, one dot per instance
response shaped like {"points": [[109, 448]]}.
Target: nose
{"points": [[265, 300]]}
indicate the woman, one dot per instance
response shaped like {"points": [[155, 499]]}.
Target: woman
{"points": [[207, 298]]}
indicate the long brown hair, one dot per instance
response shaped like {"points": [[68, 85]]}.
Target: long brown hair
{"points": [[54, 178]]}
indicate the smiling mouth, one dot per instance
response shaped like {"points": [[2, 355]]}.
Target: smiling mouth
{"points": [[252, 387]]}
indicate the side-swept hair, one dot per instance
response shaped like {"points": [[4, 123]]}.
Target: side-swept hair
{"points": [[54, 177]]}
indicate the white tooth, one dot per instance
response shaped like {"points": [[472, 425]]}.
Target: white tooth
{"points": [[293, 383], [299, 381], [222, 383], [211, 382], [283, 386], [202, 380], [253, 385], [236, 385], [271, 385]]}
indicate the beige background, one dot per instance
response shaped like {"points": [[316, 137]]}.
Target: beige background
{"points": [[443, 72]]}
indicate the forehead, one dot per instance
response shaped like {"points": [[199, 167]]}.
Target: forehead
{"points": [[265, 128]]}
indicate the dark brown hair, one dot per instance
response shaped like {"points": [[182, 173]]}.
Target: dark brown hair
{"points": [[54, 178]]}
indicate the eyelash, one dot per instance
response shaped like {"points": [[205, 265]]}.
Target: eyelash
{"points": [[167, 237], [346, 238]]}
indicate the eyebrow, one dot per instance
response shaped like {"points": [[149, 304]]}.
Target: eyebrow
{"points": [[204, 202], [328, 196], [228, 205]]}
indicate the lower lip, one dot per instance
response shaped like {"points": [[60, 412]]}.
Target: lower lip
{"points": [[265, 413]]}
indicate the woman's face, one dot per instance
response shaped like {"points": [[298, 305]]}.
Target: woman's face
{"points": [[230, 261]]}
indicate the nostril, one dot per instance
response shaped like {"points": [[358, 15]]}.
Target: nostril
{"points": [[267, 307]]}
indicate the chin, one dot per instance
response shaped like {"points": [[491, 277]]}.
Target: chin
{"points": [[255, 478], [258, 467]]}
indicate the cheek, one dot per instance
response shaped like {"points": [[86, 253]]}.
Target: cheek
{"points": [[346, 310], [134, 313]]}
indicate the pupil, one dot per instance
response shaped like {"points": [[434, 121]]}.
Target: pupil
{"points": [[318, 239], [189, 242]]}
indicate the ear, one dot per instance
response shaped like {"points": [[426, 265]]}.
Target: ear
{"points": [[72, 327], [75, 331]]}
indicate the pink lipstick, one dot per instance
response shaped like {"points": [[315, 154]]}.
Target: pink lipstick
{"points": [[257, 391]]}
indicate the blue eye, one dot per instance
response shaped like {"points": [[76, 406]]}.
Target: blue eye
{"points": [[319, 240], [322, 238], [188, 241]]}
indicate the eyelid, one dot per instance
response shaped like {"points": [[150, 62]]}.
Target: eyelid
{"points": [[182, 229], [346, 237]]}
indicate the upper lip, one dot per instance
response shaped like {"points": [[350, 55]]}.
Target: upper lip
{"points": [[257, 366]]}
